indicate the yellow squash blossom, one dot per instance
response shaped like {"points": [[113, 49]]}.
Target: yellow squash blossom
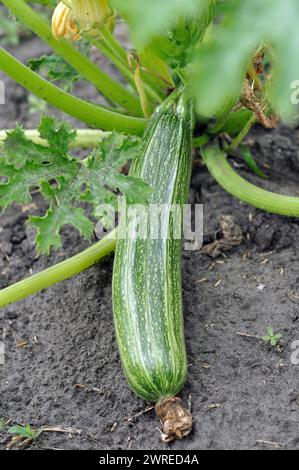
{"points": [[63, 24], [91, 14]]}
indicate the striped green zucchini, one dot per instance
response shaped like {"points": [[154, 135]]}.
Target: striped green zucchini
{"points": [[147, 292]]}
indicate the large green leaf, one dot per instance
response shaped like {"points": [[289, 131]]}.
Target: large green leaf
{"points": [[65, 181], [147, 19], [220, 63]]}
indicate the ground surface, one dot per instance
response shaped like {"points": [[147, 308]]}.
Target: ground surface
{"points": [[243, 391]]}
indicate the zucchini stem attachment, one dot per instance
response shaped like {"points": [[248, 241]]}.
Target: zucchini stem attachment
{"points": [[175, 419]]}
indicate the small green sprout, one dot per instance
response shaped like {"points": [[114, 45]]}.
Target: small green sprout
{"points": [[2, 423], [271, 337], [25, 431]]}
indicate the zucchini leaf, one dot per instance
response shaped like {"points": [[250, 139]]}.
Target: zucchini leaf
{"points": [[148, 19], [220, 64], [55, 69], [66, 181]]}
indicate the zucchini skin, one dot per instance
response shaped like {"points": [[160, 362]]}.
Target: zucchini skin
{"points": [[147, 286]]}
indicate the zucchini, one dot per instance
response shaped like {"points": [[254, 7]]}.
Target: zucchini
{"points": [[147, 292]]}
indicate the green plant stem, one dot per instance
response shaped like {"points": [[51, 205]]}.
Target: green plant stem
{"points": [[42, 2], [153, 83], [114, 43], [110, 88], [200, 140], [59, 272], [242, 134], [218, 166], [102, 45], [85, 138], [123, 67], [93, 115]]}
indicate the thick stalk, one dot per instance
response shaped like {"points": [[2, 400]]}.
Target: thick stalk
{"points": [[93, 115], [152, 82], [85, 138], [122, 67], [110, 88], [42, 2], [59, 272], [114, 43], [234, 184]]}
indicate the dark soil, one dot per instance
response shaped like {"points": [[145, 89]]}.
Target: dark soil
{"points": [[244, 393]]}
